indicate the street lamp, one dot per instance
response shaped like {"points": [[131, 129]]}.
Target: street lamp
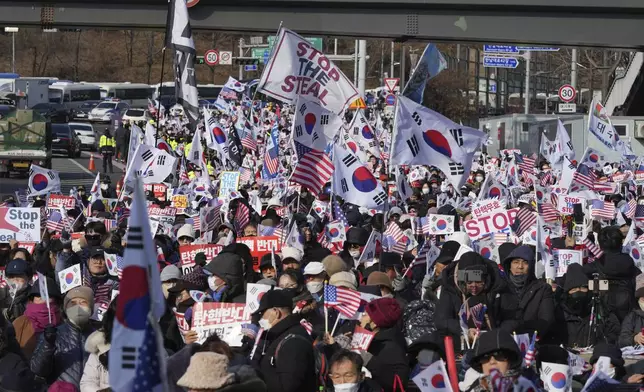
{"points": [[13, 31]]}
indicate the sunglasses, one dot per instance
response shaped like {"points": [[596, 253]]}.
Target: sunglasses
{"points": [[255, 189], [499, 356], [93, 237]]}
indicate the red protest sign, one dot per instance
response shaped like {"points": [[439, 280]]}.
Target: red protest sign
{"points": [[187, 254], [158, 190], [493, 223], [221, 318], [57, 201], [183, 325], [361, 339], [259, 246], [30, 246]]}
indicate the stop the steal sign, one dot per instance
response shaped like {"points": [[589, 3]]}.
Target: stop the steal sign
{"points": [[492, 223]]}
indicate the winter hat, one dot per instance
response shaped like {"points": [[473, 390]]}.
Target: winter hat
{"points": [[207, 370], [52, 289], [575, 277], [197, 279], [267, 281], [267, 261], [98, 206], [186, 231], [394, 211], [18, 267], [390, 259], [448, 252], [378, 278], [333, 264], [496, 340], [344, 279], [603, 349], [506, 249], [79, 292], [290, 252], [357, 235], [200, 259], [384, 312], [313, 268], [639, 286], [317, 254], [62, 386], [170, 272], [472, 261]]}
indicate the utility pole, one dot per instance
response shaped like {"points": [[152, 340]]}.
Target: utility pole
{"points": [[402, 67], [241, 54], [527, 83], [391, 69], [573, 70], [362, 66], [355, 64]]}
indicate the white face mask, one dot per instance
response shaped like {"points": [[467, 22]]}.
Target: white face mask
{"points": [[314, 287], [641, 303], [443, 187], [264, 324], [425, 191], [104, 187], [479, 179], [346, 387], [14, 287], [212, 283], [610, 372], [355, 253]]}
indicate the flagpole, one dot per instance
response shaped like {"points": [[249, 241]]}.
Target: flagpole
{"points": [[169, 19]]}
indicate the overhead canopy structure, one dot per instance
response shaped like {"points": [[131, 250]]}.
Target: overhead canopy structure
{"points": [[598, 23]]}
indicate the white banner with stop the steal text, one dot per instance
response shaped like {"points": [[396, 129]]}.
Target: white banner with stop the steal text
{"points": [[493, 223], [297, 68]]}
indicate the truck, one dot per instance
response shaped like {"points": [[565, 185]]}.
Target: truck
{"points": [[25, 139]]}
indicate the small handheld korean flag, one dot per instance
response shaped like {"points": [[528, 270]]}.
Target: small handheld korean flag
{"points": [[441, 224], [111, 264], [69, 278], [369, 251], [556, 377], [254, 293], [434, 378], [336, 232], [198, 296], [294, 239], [44, 293]]}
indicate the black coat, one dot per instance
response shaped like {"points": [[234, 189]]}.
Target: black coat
{"points": [[531, 309], [294, 368], [577, 328], [12, 308], [389, 359], [15, 374], [621, 271], [631, 326], [451, 299]]}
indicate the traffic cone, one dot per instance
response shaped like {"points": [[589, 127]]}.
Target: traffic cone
{"points": [[92, 166], [118, 188]]}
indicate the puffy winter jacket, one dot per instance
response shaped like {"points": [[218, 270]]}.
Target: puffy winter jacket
{"points": [[230, 268], [418, 319], [631, 326], [12, 308], [65, 359], [389, 359], [95, 375]]}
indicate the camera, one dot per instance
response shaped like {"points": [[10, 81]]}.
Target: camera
{"points": [[602, 285], [470, 276]]}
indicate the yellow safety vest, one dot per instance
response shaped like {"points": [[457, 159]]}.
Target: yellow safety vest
{"points": [[106, 142], [192, 175], [211, 169], [186, 149]]}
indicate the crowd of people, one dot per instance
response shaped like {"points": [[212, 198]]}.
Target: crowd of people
{"points": [[379, 310]]}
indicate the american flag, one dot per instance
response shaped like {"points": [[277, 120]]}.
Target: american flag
{"points": [[548, 212], [592, 248], [245, 175], [248, 140], [339, 214], [629, 209], [394, 231], [602, 210], [148, 365], [605, 187], [313, 170], [639, 214], [308, 326], [346, 301], [526, 164], [196, 222], [55, 221], [546, 179], [583, 178], [529, 355], [241, 218], [110, 224], [477, 313], [525, 219], [271, 156]]}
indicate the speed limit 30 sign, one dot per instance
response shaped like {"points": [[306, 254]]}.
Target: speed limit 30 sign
{"points": [[567, 93], [211, 57]]}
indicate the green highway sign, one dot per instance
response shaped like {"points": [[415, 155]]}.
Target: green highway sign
{"points": [[315, 41], [200, 60]]}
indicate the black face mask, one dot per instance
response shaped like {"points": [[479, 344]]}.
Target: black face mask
{"points": [[578, 303], [93, 240], [185, 305]]}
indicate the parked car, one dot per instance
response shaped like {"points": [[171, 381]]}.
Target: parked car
{"points": [[106, 110], [86, 135], [82, 113], [55, 112], [136, 115], [65, 141]]}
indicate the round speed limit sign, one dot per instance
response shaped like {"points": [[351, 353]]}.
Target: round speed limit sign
{"points": [[567, 93], [211, 57]]}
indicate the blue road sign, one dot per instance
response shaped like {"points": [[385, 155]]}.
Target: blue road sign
{"points": [[266, 54], [253, 67], [390, 99], [493, 88], [537, 49], [500, 49], [500, 62]]}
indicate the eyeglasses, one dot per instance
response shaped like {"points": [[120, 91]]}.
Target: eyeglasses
{"points": [[499, 356]]}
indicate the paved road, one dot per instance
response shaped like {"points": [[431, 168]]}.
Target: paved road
{"points": [[73, 172]]}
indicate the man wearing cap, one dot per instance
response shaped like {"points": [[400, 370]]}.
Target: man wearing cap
{"points": [[226, 280], [60, 353], [268, 265], [291, 258], [186, 234], [386, 357], [285, 356], [314, 276], [96, 277], [14, 295]]}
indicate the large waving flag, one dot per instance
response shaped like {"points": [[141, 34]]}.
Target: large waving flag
{"points": [[313, 169], [136, 361], [353, 182], [565, 145], [180, 39], [43, 181], [271, 156], [424, 137], [430, 64], [599, 124], [314, 126], [360, 130], [216, 137], [196, 152]]}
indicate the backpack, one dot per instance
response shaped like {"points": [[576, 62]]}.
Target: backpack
{"points": [[321, 369]]}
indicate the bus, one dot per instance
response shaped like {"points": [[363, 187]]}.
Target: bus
{"points": [[134, 94], [205, 91], [73, 95]]}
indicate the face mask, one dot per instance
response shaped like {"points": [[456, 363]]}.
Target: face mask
{"points": [[15, 287], [444, 187], [641, 303], [355, 253], [346, 387], [104, 187], [479, 179], [165, 287], [425, 191], [79, 315], [211, 283], [578, 302], [427, 357], [264, 324], [610, 372], [93, 241], [314, 287]]}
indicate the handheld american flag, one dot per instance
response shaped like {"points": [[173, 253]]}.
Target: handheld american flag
{"points": [[346, 301]]}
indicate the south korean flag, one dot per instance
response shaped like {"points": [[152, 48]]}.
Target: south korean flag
{"points": [[361, 132], [314, 126], [353, 182]]}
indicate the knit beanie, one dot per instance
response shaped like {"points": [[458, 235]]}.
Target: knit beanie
{"points": [[639, 286], [333, 264], [384, 312], [344, 279], [575, 277]]}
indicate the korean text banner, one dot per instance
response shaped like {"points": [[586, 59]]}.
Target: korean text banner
{"points": [[297, 68]]}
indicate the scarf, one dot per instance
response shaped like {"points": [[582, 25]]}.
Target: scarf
{"points": [[38, 315]]}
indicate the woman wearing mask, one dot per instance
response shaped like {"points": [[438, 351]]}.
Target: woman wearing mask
{"points": [[479, 177], [30, 326], [96, 277], [95, 376], [13, 297], [60, 354]]}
